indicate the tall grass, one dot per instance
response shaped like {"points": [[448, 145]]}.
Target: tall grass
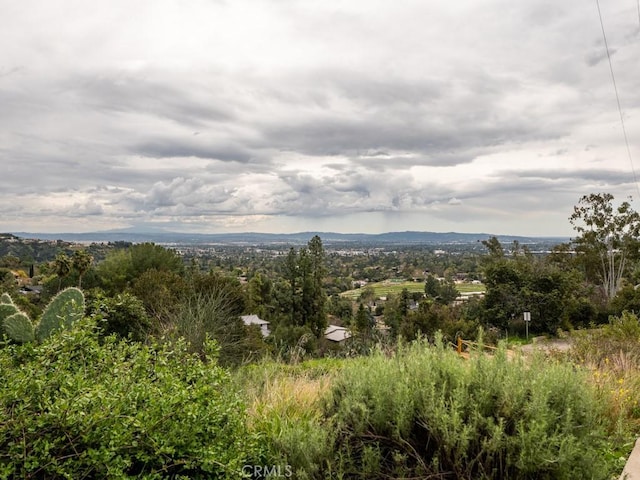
{"points": [[285, 410], [612, 354], [423, 412]]}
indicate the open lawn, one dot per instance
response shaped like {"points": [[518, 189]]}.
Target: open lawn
{"points": [[395, 286]]}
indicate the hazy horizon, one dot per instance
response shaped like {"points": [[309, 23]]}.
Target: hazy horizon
{"points": [[162, 231]]}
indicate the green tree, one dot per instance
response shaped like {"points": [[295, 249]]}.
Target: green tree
{"points": [[62, 265], [81, 262], [503, 300], [525, 283], [121, 268], [7, 280], [447, 292], [367, 294], [317, 318], [395, 312], [291, 272], [364, 321], [147, 256], [304, 274], [340, 307], [214, 282], [260, 289], [608, 235], [10, 261], [212, 314], [431, 286], [160, 293], [114, 271], [494, 246]]}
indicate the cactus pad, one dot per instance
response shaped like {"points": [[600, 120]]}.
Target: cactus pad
{"points": [[19, 328], [62, 312], [5, 298]]}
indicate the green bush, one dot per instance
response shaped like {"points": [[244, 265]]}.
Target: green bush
{"points": [[81, 406], [619, 338], [123, 315], [213, 315], [425, 413]]}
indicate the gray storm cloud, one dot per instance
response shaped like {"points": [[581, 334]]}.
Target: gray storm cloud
{"points": [[273, 115]]}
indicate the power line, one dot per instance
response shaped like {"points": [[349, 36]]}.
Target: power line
{"points": [[615, 88]]}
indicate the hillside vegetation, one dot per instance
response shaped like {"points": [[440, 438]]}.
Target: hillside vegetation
{"points": [[140, 361]]}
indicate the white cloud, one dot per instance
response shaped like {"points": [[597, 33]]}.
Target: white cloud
{"points": [[350, 116]]}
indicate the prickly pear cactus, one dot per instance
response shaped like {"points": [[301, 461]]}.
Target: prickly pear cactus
{"points": [[62, 312], [6, 310], [19, 328], [5, 298]]}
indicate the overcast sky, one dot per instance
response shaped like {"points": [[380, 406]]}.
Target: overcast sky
{"points": [[297, 115]]}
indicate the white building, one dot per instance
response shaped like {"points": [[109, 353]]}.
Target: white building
{"points": [[336, 333], [255, 320]]}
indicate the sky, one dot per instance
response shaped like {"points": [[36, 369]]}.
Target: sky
{"points": [[370, 116]]}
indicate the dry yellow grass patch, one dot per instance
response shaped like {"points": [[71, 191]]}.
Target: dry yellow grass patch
{"points": [[288, 397]]}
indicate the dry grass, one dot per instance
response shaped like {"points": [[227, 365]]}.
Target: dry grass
{"points": [[617, 382], [285, 407], [287, 397]]}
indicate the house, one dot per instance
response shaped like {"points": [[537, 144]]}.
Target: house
{"points": [[337, 334], [31, 289], [255, 320]]}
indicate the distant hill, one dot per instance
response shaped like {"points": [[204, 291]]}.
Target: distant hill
{"points": [[252, 238]]}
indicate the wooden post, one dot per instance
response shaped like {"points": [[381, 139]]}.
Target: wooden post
{"points": [[459, 345]]}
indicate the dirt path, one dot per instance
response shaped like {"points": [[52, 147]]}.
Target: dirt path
{"points": [[547, 345]]}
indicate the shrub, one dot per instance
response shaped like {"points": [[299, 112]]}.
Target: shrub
{"points": [[285, 409], [123, 315], [620, 336], [612, 352], [425, 412], [78, 406], [213, 315]]}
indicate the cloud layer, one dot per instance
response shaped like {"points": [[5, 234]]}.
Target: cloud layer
{"points": [[352, 116]]}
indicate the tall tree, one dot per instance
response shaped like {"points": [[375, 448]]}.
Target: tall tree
{"points": [[494, 246], [82, 261], [364, 321], [291, 276], [260, 295], [317, 316], [62, 265], [304, 274], [608, 235]]}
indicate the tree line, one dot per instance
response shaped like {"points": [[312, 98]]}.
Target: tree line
{"points": [[145, 290]]}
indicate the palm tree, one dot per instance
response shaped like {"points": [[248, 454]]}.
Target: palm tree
{"points": [[62, 265], [81, 262]]}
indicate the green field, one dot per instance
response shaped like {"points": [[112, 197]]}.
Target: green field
{"points": [[395, 286]]}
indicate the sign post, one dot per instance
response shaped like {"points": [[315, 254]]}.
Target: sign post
{"points": [[527, 319]]}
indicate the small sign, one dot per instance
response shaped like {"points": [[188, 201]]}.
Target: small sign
{"points": [[527, 319]]}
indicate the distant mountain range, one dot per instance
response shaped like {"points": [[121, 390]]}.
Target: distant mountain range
{"points": [[252, 238]]}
